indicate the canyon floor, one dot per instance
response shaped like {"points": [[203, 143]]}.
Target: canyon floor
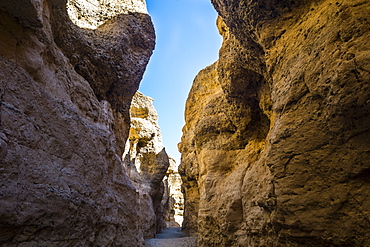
{"points": [[172, 237]]}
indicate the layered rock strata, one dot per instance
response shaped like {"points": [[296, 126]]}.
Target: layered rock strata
{"points": [[64, 121], [146, 162], [275, 149]]}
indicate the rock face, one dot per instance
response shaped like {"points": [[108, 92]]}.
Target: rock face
{"points": [[93, 13], [64, 121], [275, 149], [175, 195], [146, 162]]}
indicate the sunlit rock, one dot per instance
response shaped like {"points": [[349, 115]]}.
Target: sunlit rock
{"points": [[93, 13], [275, 150], [146, 163], [174, 195]]}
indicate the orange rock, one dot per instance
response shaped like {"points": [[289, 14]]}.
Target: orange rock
{"points": [[275, 149]]}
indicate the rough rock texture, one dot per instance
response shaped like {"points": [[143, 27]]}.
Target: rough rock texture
{"points": [[112, 58], [64, 120], [146, 163], [276, 148], [175, 195], [93, 13]]}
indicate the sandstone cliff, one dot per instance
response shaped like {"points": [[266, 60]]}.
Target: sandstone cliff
{"points": [[146, 162], [64, 120], [153, 173], [175, 196], [275, 150]]}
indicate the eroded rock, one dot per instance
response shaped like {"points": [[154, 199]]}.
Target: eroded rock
{"points": [[174, 196], [146, 162], [93, 13], [275, 149], [64, 119]]}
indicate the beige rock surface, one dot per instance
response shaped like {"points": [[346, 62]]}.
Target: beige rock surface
{"points": [[175, 195], [112, 58], [64, 120], [275, 150], [93, 13], [146, 162]]}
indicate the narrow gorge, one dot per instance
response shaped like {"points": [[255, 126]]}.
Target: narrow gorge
{"points": [[275, 149]]}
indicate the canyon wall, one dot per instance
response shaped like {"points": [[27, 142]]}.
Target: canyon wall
{"points": [[146, 162], [175, 196], [275, 149], [64, 119], [153, 173]]}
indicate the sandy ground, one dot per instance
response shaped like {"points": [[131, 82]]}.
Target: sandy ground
{"points": [[171, 237]]}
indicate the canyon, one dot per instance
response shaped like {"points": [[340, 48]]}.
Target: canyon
{"points": [[275, 148]]}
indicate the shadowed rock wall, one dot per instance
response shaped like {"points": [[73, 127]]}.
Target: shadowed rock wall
{"points": [[275, 149], [64, 120]]}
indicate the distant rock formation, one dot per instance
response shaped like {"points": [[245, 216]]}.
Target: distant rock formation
{"points": [[175, 196], [275, 150], [153, 173], [146, 162], [65, 96]]}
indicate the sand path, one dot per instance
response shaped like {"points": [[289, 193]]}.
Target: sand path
{"points": [[171, 237]]}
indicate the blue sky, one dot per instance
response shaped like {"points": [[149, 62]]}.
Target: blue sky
{"points": [[187, 41]]}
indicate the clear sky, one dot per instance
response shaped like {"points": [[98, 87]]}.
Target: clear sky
{"points": [[187, 41]]}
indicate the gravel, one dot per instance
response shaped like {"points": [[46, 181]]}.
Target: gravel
{"points": [[171, 237]]}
